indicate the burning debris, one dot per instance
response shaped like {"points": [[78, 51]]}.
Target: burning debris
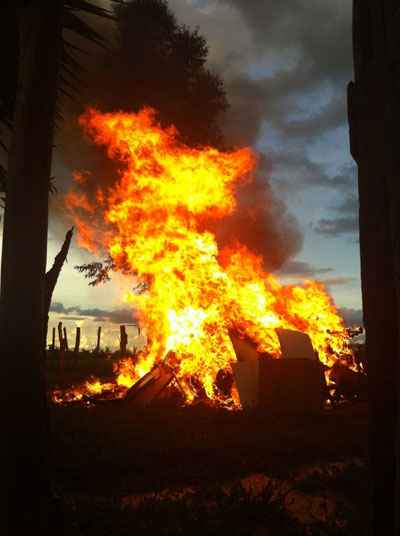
{"points": [[294, 383], [153, 223], [152, 386], [86, 393]]}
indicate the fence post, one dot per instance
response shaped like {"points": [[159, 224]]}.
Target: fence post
{"points": [[53, 339], [60, 337], [77, 340], [97, 350], [66, 347], [123, 341]]}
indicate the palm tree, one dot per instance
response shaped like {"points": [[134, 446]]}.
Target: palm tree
{"points": [[374, 114], [46, 67]]}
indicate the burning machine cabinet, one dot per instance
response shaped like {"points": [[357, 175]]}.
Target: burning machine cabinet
{"points": [[293, 384]]}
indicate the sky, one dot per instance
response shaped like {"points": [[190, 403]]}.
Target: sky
{"points": [[286, 65]]}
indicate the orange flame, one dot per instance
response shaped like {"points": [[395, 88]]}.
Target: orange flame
{"points": [[152, 222]]}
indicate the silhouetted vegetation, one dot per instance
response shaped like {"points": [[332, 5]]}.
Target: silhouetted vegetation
{"points": [[70, 75], [97, 272], [161, 63]]}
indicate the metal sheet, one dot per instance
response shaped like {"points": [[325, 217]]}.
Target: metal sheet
{"points": [[295, 345], [246, 375]]}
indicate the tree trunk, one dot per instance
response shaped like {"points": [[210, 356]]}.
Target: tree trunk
{"points": [[53, 274], [373, 145], [23, 269]]}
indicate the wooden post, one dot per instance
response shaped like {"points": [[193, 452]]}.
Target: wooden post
{"points": [[62, 347], [77, 340], [60, 337], [53, 339], [66, 347], [123, 340], [97, 350]]}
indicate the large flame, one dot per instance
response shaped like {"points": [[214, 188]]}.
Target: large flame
{"points": [[153, 223]]}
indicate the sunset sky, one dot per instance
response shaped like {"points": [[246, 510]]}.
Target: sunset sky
{"points": [[285, 64]]}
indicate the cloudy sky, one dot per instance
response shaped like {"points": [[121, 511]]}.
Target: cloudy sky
{"points": [[285, 64]]}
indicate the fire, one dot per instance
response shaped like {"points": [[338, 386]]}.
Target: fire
{"points": [[153, 223], [89, 388]]}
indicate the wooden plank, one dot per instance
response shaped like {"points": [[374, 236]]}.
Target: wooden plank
{"points": [[149, 387]]}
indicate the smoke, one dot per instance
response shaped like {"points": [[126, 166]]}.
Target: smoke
{"points": [[261, 220]]}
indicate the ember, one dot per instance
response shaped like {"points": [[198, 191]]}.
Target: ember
{"points": [[153, 224]]}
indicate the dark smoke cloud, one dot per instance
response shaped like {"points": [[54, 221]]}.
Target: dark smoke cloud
{"points": [[311, 41], [262, 222], [286, 64]]}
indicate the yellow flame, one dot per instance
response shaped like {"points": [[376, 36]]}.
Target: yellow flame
{"points": [[153, 223]]}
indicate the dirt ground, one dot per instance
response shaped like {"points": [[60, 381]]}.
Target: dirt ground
{"points": [[170, 464]]}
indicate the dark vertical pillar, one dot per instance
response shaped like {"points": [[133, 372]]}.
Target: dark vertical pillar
{"points": [[370, 116]]}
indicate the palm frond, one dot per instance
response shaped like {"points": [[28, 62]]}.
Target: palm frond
{"points": [[70, 81], [69, 95], [70, 61], [3, 146], [68, 45], [9, 44], [75, 24], [88, 7]]}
